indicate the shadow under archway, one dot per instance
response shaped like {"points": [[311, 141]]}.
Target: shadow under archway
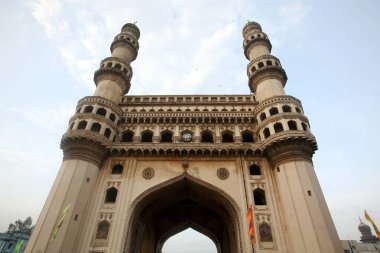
{"points": [[180, 203]]}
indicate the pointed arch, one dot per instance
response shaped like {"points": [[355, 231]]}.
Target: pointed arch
{"points": [[176, 194]]}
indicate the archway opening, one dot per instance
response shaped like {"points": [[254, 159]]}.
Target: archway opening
{"points": [[178, 204], [189, 241]]}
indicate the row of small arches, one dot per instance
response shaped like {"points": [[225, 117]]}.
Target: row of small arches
{"points": [[263, 63], [118, 66], [278, 127], [274, 110], [206, 136], [122, 37], [95, 127], [257, 35], [99, 111], [190, 110], [185, 119]]}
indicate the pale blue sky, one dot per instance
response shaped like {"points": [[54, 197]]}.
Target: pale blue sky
{"points": [[329, 49]]}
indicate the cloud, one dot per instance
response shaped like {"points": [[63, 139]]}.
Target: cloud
{"points": [[52, 119]]}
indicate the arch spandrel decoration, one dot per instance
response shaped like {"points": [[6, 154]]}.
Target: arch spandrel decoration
{"points": [[183, 202]]}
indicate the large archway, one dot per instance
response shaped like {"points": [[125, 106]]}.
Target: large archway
{"points": [[178, 204]]}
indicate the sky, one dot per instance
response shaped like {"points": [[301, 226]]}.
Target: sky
{"points": [[329, 49]]}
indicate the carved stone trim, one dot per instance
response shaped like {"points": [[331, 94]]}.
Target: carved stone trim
{"points": [[290, 148], [186, 149], [266, 72], [85, 147], [278, 117], [276, 100], [222, 173], [100, 101], [257, 41], [115, 75], [148, 173]]}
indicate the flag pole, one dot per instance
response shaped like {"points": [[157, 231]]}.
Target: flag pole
{"points": [[246, 196]]}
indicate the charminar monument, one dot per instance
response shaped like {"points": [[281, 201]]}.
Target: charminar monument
{"points": [[138, 169]]}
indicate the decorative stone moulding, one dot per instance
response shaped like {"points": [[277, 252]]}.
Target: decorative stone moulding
{"points": [[122, 41], [267, 72], [148, 173], [276, 100], [86, 146], [124, 65], [265, 60], [222, 173], [263, 40], [251, 26], [115, 75], [131, 28], [285, 147], [101, 101]]}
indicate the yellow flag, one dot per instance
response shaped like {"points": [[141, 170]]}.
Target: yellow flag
{"points": [[58, 227], [373, 223]]}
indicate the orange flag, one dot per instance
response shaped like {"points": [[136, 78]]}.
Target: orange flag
{"points": [[251, 229], [373, 223]]}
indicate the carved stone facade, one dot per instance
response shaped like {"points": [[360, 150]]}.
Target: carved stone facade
{"points": [[139, 169]]}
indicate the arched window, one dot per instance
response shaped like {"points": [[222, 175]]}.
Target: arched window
{"points": [[109, 65], [254, 170], [286, 108], [298, 110], [304, 126], [78, 110], [260, 65], [88, 109], [103, 229], [118, 66], [166, 136], [266, 132], [71, 126], [227, 136], [127, 136], [107, 132], [269, 63], [273, 111], [111, 195], [206, 136], [112, 117], [292, 125], [147, 136], [117, 169], [259, 197], [263, 116], [247, 136], [265, 232], [101, 111], [82, 124], [278, 127], [96, 127]]}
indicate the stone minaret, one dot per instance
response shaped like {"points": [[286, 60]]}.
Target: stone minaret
{"points": [[289, 146], [95, 124]]}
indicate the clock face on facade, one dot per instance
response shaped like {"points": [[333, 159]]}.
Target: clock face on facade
{"points": [[187, 137]]}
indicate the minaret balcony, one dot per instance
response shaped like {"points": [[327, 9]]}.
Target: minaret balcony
{"points": [[123, 40], [289, 146], [256, 39], [132, 28], [121, 76], [263, 68]]}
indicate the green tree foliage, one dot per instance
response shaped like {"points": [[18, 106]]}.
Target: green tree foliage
{"points": [[20, 226]]}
